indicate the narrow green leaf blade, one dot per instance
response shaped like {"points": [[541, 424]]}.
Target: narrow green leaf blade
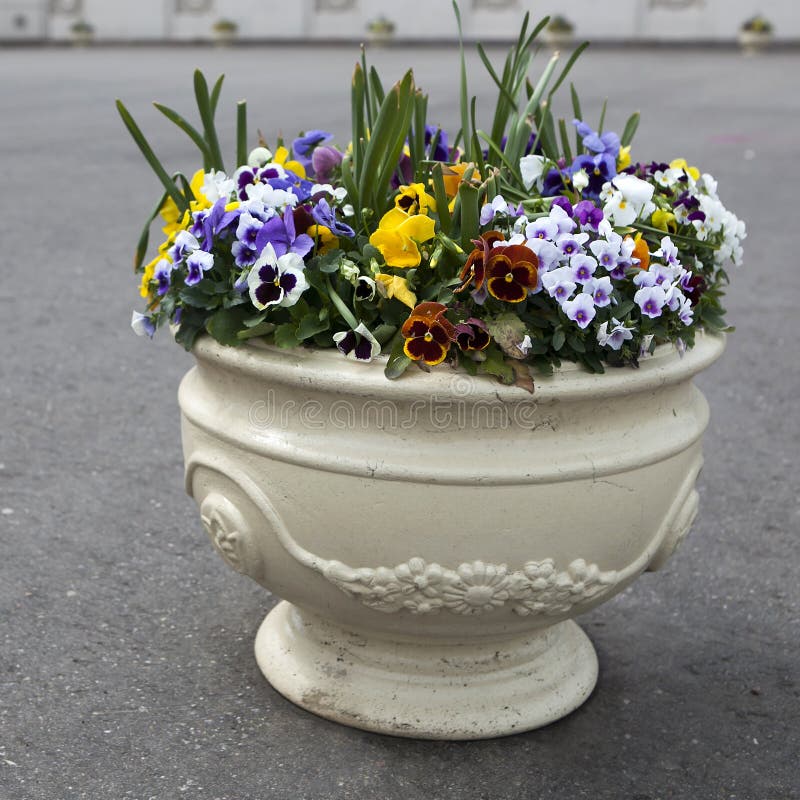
{"points": [[147, 151]]}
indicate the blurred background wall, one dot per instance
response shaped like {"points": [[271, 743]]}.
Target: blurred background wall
{"points": [[192, 20]]}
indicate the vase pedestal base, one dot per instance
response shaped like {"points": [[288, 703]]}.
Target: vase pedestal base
{"points": [[424, 689]]}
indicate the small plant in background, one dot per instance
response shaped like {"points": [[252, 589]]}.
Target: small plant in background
{"points": [[381, 27], [757, 24], [559, 24], [82, 32]]}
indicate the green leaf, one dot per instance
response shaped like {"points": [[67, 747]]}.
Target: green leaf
{"points": [[504, 92], [285, 335], [559, 337], [215, 93], [631, 127], [384, 333], [225, 324], [398, 361], [602, 116], [566, 149], [469, 216], [310, 325], [189, 130], [204, 106], [440, 195], [576, 54], [144, 238], [576, 109], [496, 365], [463, 94], [262, 329], [241, 133], [169, 185]]}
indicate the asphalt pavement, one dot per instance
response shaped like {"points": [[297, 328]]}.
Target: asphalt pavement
{"points": [[126, 645]]}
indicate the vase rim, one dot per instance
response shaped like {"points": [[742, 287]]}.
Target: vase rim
{"points": [[327, 370]]}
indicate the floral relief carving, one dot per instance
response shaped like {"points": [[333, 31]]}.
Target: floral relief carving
{"points": [[472, 588]]}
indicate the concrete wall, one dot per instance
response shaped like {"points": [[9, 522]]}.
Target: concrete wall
{"points": [[488, 20]]}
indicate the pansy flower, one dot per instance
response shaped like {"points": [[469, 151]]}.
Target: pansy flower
{"points": [[276, 280], [559, 284], [142, 324], [323, 214], [281, 233], [197, 263], [413, 199], [474, 270], [161, 276], [472, 334], [398, 235], [394, 286], [358, 344], [580, 309], [428, 334], [614, 338], [651, 299], [511, 272]]}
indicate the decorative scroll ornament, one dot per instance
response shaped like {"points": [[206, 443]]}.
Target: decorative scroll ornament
{"points": [[229, 533], [473, 588]]}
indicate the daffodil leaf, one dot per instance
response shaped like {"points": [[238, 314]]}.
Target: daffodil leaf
{"points": [[241, 133], [147, 151], [206, 108], [189, 130]]}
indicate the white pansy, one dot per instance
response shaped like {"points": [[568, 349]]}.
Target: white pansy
{"points": [[216, 185], [258, 157], [531, 168]]}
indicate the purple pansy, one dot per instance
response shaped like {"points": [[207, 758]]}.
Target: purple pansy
{"points": [[324, 161], [197, 263], [588, 214], [162, 276], [275, 280], [651, 300], [323, 214], [281, 234], [582, 267], [580, 309], [142, 324]]}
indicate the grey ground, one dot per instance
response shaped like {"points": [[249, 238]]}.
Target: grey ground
{"points": [[126, 668]]}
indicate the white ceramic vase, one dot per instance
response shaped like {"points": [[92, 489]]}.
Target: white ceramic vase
{"points": [[433, 537]]}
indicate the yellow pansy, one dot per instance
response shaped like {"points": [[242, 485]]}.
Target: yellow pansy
{"points": [[281, 156], [453, 175], [397, 287], [147, 276], [397, 237], [413, 199], [681, 163], [664, 220], [624, 158], [169, 211], [323, 237]]}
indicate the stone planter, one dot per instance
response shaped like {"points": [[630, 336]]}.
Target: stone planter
{"points": [[753, 42], [224, 37], [559, 40], [433, 537]]}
